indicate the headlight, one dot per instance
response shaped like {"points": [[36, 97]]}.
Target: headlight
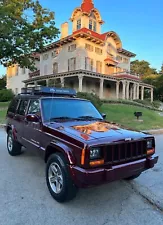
{"points": [[95, 153], [149, 144]]}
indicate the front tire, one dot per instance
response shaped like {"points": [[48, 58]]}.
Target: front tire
{"points": [[13, 147], [58, 179]]}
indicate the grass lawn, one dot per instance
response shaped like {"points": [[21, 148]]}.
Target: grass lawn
{"points": [[124, 114], [4, 104], [2, 116]]}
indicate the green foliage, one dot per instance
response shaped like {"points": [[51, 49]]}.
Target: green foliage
{"points": [[92, 97], [2, 82], [147, 102], [25, 27], [142, 67], [6, 95]]}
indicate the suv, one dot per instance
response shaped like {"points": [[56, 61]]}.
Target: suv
{"points": [[80, 148]]}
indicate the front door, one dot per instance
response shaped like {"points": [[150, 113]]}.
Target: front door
{"points": [[32, 130]]}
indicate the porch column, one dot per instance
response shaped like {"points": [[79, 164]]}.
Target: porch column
{"points": [[135, 86], [26, 85], [124, 89], [151, 94], [137, 97], [35, 83], [62, 81], [47, 82], [142, 93], [80, 77], [101, 88], [127, 89], [117, 89]]}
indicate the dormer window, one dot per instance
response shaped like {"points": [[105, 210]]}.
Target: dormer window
{"points": [[78, 24]]}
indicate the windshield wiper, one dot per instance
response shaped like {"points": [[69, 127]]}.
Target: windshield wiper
{"points": [[88, 118], [62, 118]]}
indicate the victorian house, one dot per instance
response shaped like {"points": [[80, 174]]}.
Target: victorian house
{"points": [[87, 60]]}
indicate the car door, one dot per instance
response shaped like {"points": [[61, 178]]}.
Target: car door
{"points": [[32, 129], [19, 119]]}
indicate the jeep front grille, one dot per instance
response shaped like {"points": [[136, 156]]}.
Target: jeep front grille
{"points": [[123, 152]]}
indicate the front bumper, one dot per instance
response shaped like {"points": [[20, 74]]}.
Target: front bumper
{"points": [[90, 177]]}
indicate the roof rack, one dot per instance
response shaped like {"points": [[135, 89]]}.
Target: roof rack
{"points": [[48, 91]]}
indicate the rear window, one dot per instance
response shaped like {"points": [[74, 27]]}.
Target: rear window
{"points": [[13, 105]]}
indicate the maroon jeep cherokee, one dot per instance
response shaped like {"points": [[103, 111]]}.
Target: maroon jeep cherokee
{"points": [[80, 148]]}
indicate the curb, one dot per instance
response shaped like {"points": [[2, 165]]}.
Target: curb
{"points": [[157, 131]]}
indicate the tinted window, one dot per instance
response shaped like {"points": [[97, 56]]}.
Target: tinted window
{"points": [[22, 107], [53, 108], [13, 105], [34, 107]]}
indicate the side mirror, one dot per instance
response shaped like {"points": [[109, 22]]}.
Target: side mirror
{"points": [[103, 115], [32, 118]]}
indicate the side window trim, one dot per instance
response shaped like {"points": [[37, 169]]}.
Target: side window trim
{"points": [[17, 111], [32, 100]]}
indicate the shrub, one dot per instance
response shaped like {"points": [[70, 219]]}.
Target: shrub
{"points": [[6, 95], [92, 97]]}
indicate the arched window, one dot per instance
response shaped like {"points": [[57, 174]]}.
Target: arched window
{"points": [[92, 22], [55, 68]]}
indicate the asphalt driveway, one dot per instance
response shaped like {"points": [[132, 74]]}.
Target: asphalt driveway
{"points": [[25, 199]]}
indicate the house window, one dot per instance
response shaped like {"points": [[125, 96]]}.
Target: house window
{"points": [[17, 71], [78, 24], [98, 67], [89, 47], [23, 70], [119, 58], [92, 24], [45, 69], [45, 56], [55, 67], [98, 51], [72, 48], [71, 64], [55, 53], [125, 60], [88, 64]]}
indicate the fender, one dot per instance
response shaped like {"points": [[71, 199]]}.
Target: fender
{"points": [[13, 129], [64, 149]]}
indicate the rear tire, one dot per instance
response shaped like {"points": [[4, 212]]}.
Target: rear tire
{"points": [[133, 177], [13, 147], [58, 179]]}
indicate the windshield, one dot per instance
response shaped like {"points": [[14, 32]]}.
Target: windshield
{"points": [[58, 108]]}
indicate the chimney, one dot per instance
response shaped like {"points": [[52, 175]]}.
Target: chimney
{"points": [[64, 30]]}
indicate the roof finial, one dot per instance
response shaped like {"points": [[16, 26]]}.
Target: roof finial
{"points": [[87, 5]]}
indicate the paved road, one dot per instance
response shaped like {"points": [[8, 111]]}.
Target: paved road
{"points": [[25, 200]]}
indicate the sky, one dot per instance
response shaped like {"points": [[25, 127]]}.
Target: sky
{"points": [[139, 23]]}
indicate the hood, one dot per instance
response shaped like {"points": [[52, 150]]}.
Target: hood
{"points": [[89, 130]]}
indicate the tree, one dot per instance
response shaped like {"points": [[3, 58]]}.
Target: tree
{"points": [[25, 27], [161, 71], [2, 82], [143, 68]]}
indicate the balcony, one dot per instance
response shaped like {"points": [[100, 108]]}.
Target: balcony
{"points": [[34, 74], [127, 74]]}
